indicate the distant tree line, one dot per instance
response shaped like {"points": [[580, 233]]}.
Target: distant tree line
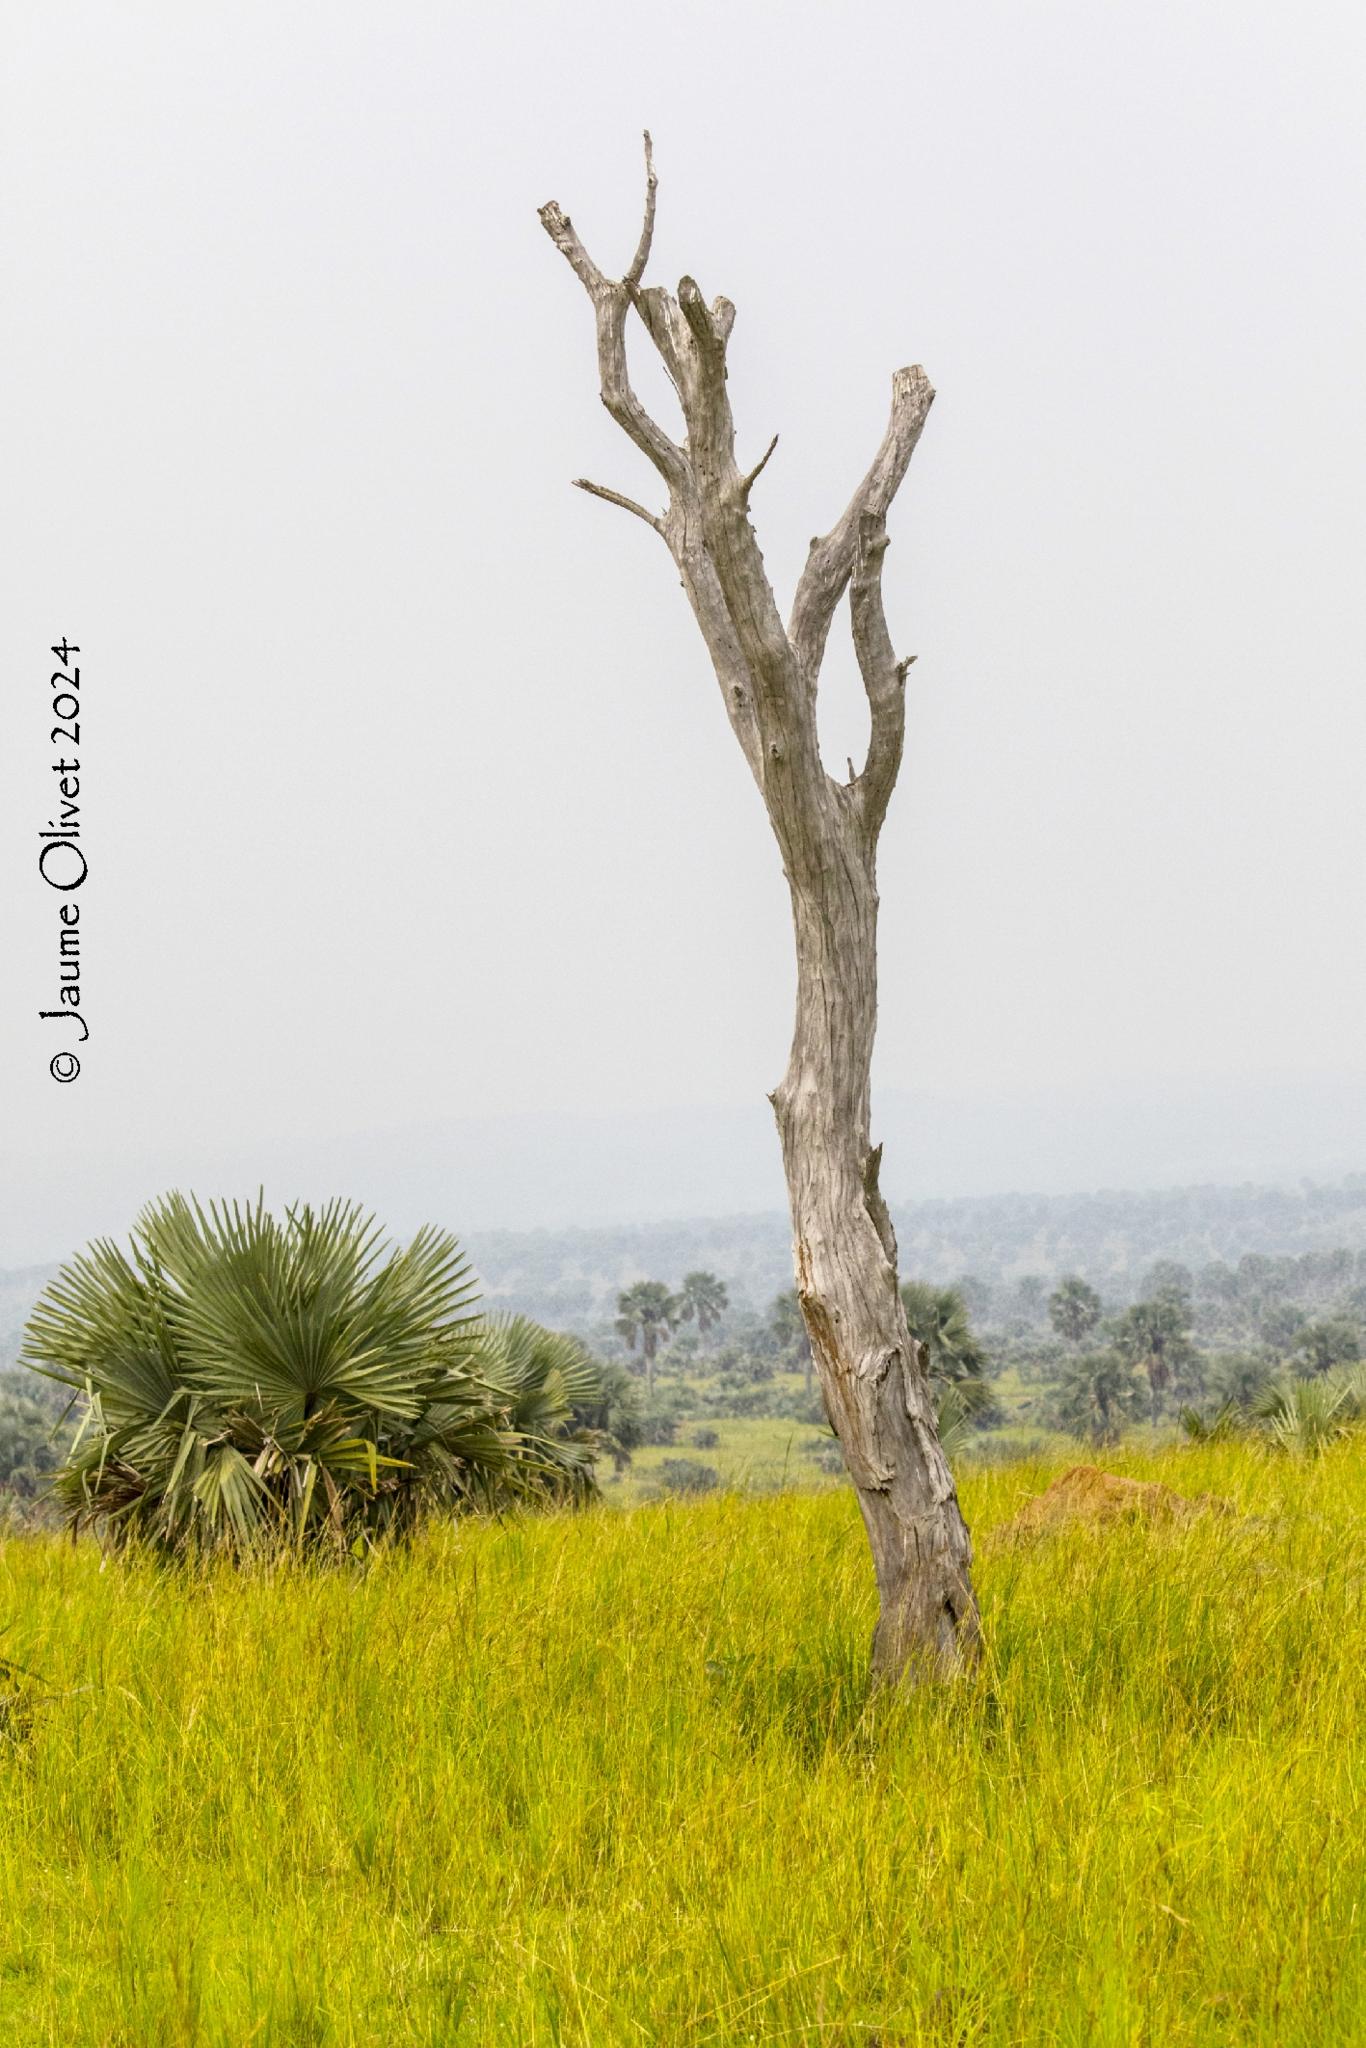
{"points": [[1220, 1339], [741, 1357], [1111, 1239], [1271, 1340]]}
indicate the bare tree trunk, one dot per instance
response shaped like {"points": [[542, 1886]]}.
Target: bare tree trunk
{"points": [[872, 1372]]}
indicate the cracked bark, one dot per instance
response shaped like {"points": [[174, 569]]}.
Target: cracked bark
{"points": [[872, 1372]]}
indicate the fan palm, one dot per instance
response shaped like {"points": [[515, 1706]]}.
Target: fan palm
{"points": [[938, 1316], [1308, 1415], [1227, 1421], [646, 1313], [1098, 1393], [1074, 1309], [958, 1409], [253, 1382], [544, 1378], [703, 1296], [1155, 1334]]}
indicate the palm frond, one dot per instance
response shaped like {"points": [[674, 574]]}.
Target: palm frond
{"points": [[254, 1380]]}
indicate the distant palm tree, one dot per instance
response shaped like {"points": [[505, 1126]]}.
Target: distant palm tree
{"points": [[704, 1298], [1324, 1346], [938, 1316], [1097, 1394], [646, 1313], [956, 1362], [1074, 1309], [956, 1414], [1155, 1334]]}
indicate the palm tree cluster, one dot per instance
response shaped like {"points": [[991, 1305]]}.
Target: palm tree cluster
{"points": [[1148, 1353], [1302, 1388], [649, 1313], [252, 1384]]}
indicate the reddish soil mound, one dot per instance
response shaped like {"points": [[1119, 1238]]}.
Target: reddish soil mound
{"points": [[1086, 1494]]}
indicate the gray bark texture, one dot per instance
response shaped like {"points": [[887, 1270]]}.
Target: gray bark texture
{"points": [[872, 1372]]}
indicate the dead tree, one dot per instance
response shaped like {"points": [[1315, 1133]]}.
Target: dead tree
{"points": [[872, 1372]]}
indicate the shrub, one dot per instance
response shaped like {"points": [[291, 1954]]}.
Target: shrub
{"points": [[1236, 1378], [687, 1475], [783, 1404], [660, 1418], [743, 1365], [613, 1412], [1228, 1420], [1308, 1415], [705, 1439], [254, 1384]]}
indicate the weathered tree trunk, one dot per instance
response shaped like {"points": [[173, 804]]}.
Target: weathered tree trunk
{"points": [[872, 1372], [871, 1369]]}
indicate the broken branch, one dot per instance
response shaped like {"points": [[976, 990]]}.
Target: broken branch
{"points": [[581, 483], [760, 466], [647, 232]]}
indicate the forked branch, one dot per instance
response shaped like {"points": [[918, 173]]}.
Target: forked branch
{"points": [[768, 673], [611, 303]]}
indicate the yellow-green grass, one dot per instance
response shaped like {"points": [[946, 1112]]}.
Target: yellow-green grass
{"points": [[615, 1778]]}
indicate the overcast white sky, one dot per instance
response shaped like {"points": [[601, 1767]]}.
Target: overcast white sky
{"points": [[410, 796]]}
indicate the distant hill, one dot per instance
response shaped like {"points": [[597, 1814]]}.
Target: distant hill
{"points": [[1110, 1238], [484, 1176], [571, 1277], [18, 1292]]}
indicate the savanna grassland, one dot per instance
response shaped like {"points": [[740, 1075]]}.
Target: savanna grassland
{"points": [[600, 1778]]}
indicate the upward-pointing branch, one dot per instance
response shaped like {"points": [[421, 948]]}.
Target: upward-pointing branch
{"points": [[883, 677], [611, 303], [830, 563], [647, 232]]}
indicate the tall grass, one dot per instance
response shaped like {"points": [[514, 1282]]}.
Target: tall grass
{"points": [[614, 1778]]}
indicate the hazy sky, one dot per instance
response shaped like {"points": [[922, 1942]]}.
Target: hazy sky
{"points": [[409, 795]]}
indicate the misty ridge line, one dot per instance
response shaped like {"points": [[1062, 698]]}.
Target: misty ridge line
{"points": [[1110, 1238]]}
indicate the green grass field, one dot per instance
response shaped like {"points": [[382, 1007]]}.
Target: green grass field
{"points": [[614, 1778], [758, 1454]]}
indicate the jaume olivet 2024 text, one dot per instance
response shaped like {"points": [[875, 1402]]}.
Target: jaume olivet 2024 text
{"points": [[62, 863]]}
